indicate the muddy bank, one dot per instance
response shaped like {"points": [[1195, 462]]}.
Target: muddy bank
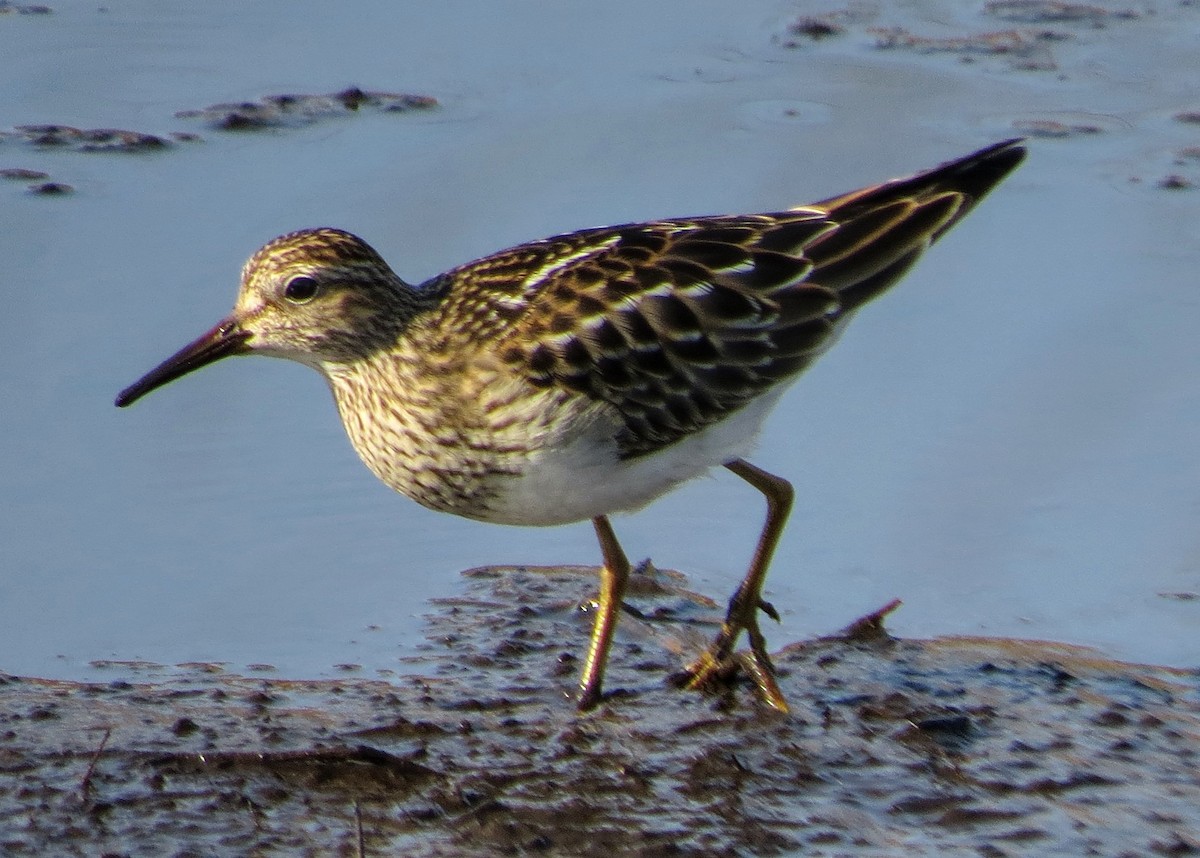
{"points": [[990, 747]]}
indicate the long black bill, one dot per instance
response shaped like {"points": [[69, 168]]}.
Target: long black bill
{"points": [[223, 340]]}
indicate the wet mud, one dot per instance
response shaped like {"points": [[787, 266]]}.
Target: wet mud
{"points": [[282, 111], [1039, 37], [7, 8], [1023, 48], [40, 188], [958, 746], [269, 112], [86, 139]]}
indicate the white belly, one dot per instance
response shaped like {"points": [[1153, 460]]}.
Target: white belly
{"points": [[585, 478]]}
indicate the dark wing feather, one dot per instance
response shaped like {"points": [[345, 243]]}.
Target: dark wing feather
{"points": [[678, 323]]}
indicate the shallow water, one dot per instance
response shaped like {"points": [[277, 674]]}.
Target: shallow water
{"points": [[1006, 441]]}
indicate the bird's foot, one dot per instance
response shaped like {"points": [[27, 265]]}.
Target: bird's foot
{"points": [[719, 664]]}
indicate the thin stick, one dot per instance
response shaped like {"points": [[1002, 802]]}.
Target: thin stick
{"points": [[86, 784], [870, 627], [362, 840]]}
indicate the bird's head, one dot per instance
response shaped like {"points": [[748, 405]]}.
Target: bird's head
{"points": [[317, 296]]}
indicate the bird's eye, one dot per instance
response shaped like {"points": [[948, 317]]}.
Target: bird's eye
{"points": [[300, 289]]}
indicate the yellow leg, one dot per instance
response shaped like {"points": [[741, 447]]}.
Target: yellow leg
{"points": [[613, 578], [747, 599]]}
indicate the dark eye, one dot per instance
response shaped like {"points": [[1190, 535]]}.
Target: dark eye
{"points": [[300, 289]]}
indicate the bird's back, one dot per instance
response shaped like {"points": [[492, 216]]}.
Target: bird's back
{"points": [[678, 323]]}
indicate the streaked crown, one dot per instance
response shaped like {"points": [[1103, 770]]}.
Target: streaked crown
{"points": [[322, 295]]}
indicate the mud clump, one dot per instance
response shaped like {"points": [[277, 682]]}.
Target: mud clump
{"points": [[1055, 11], [957, 746], [1054, 129], [20, 174], [88, 139], [291, 110], [39, 187], [51, 189], [7, 8]]}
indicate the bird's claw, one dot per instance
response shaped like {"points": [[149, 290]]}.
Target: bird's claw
{"points": [[719, 665]]}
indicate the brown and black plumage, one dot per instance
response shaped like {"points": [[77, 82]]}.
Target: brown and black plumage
{"points": [[589, 373]]}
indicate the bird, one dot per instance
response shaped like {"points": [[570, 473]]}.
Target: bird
{"points": [[589, 373]]}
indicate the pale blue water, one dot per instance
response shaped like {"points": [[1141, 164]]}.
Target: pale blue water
{"points": [[1006, 442]]}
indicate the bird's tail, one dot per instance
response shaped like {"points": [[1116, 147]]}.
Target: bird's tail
{"points": [[883, 229]]}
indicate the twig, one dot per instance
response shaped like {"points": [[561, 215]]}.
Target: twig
{"points": [[86, 784], [870, 627], [362, 841]]}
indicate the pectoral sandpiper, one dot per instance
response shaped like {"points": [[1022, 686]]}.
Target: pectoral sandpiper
{"points": [[589, 373]]}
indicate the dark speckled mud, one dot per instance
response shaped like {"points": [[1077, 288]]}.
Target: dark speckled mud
{"points": [[962, 746]]}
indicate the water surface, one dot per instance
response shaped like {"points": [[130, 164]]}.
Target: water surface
{"points": [[1006, 441]]}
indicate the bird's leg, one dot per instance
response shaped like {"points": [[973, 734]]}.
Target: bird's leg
{"points": [[747, 599], [613, 578]]}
